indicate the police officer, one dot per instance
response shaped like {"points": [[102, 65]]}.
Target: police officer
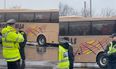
{"points": [[63, 57], [22, 49], [10, 41], [111, 51]]}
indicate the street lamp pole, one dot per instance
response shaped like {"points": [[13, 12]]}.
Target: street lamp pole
{"points": [[90, 8], [85, 15]]}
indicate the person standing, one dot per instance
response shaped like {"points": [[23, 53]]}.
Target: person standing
{"points": [[10, 42], [68, 46], [22, 49], [111, 52], [63, 57]]}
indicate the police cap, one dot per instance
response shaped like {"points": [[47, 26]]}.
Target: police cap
{"points": [[11, 21]]}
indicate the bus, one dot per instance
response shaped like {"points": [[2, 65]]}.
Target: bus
{"points": [[89, 36], [41, 26]]}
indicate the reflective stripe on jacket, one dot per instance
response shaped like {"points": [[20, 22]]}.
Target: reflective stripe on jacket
{"points": [[112, 48]]}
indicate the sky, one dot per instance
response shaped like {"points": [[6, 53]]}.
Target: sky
{"points": [[31, 4], [97, 5]]}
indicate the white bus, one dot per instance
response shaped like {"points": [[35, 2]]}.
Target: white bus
{"points": [[41, 26], [89, 37]]}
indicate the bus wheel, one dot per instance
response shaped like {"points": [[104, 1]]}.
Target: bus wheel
{"points": [[102, 60], [41, 39]]}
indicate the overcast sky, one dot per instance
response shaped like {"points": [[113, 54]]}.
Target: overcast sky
{"points": [[97, 5], [31, 4]]}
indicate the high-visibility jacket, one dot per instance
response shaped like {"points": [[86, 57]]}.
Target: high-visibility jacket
{"points": [[112, 48], [10, 42], [63, 58]]}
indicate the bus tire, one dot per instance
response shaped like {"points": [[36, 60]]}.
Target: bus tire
{"points": [[102, 60], [41, 40]]}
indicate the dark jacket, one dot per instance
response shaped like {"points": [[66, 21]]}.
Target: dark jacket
{"points": [[0, 38], [22, 45], [70, 54], [111, 57]]}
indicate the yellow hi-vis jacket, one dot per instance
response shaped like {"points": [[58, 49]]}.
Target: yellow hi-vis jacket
{"points": [[63, 58], [10, 42], [112, 48]]}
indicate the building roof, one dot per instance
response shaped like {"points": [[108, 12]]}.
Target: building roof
{"points": [[80, 18], [27, 10]]}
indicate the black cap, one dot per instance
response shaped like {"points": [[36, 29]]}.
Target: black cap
{"points": [[66, 42], [113, 35]]}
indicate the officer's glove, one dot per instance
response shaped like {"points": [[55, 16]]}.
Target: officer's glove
{"points": [[22, 33]]}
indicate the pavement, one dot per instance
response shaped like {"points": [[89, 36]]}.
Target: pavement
{"points": [[32, 64], [50, 65]]}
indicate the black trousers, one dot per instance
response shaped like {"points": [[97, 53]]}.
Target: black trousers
{"points": [[112, 61], [22, 53], [111, 65], [71, 65], [14, 65]]}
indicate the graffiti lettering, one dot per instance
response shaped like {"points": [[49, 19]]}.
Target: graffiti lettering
{"points": [[35, 30], [91, 47], [72, 40], [88, 47], [2, 25], [21, 26]]}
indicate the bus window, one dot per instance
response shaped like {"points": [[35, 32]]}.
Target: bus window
{"points": [[1, 17], [11, 16], [63, 29], [102, 27], [79, 28], [26, 17], [43, 17], [54, 17]]}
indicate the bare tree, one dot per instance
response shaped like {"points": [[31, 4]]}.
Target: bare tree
{"points": [[108, 12], [65, 10], [85, 12]]}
